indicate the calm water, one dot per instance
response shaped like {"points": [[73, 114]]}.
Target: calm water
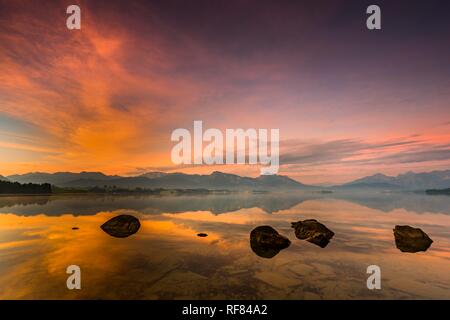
{"points": [[166, 260]]}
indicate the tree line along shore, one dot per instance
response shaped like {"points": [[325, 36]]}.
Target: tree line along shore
{"points": [[16, 188]]}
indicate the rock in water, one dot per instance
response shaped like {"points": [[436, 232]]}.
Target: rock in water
{"points": [[202, 235], [121, 226], [313, 231], [409, 239], [266, 242]]}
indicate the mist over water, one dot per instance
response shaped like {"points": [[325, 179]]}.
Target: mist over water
{"points": [[166, 259]]}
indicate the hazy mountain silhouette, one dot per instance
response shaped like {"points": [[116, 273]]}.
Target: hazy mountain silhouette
{"points": [[2, 178], [152, 175], [218, 180], [406, 181], [214, 181]]}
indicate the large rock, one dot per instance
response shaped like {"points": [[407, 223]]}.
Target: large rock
{"points": [[313, 231], [409, 239], [266, 242], [121, 226]]}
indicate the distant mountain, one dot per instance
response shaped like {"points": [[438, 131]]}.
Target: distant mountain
{"points": [[2, 178], [219, 180], [215, 181], [406, 181], [152, 175]]}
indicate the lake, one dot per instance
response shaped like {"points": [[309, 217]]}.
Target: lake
{"points": [[166, 259]]}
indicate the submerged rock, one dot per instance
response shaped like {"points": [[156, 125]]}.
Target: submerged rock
{"points": [[121, 226], [313, 231], [266, 242], [201, 234], [409, 239]]}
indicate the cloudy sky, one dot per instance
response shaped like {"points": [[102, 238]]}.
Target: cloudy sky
{"points": [[348, 101]]}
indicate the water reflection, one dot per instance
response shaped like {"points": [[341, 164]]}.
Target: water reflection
{"points": [[386, 202], [166, 260], [86, 204], [150, 204]]}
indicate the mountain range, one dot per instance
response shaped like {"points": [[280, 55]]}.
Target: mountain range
{"points": [[215, 181], [219, 181]]}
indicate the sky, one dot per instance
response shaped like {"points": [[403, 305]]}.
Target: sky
{"points": [[348, 102]]}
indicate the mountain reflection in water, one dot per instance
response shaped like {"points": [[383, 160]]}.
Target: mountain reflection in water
{"points": [[166, 259], [86, 204]]}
